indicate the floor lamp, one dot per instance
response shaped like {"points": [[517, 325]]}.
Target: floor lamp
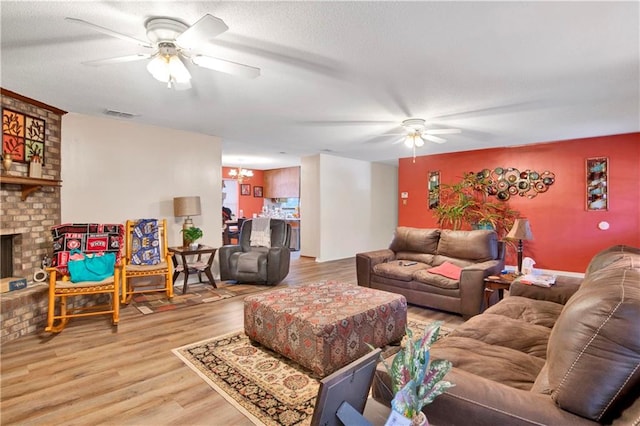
{"points": [[520, 231]]}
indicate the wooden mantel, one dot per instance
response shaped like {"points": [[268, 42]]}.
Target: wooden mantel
{"points": [[28, 184]]}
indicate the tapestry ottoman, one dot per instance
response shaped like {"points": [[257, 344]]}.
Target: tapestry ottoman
{"points": [[325, 326]]}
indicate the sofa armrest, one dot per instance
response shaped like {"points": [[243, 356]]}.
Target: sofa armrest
{"points": [[224, 254], [472, 285], [366, 261], [487, 402], [560, 292]]}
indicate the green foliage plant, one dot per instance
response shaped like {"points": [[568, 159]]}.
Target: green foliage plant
{"points": [[466, 203], [417, 379], [192, 234]]}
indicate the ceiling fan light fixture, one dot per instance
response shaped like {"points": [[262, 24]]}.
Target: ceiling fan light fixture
{"points": [[419, 142], [408, 142], [169, 69], [158, 67]]}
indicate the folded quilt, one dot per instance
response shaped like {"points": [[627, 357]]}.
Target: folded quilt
{"points": [[261, 232]]}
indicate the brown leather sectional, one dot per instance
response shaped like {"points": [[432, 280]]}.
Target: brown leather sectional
{"points": [[565, 355], [403, 267]]}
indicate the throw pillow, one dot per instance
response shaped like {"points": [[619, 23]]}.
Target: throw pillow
{"points": [[447, 269]]}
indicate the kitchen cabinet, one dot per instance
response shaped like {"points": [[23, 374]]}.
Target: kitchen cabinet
{"points": [[282, 183]]}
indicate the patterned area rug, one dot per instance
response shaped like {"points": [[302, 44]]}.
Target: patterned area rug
{"points": [[149, 303], [266, 387]]}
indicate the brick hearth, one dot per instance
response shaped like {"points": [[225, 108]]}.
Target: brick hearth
{"points": [[29, 221]]}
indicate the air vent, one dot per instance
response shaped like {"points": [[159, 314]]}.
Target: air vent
{"points": [[119, 114]]}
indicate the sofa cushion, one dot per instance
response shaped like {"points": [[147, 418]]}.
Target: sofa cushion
{"points": [[424, 276], [478, 245], [595, 345], [397, 270], [532, 311], [415, 256], [415, 239], [506, 332], [500, 364]]}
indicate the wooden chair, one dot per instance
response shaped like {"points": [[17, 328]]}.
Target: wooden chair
{"points": [[85, 299], [136, 265]]}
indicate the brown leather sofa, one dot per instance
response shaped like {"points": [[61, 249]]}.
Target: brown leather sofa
{"points": [[565, 355], [478, 253]]}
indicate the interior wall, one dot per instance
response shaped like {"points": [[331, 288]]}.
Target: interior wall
{"points": [[566, 235], [310, 206], [356, 206], [116, 170]]}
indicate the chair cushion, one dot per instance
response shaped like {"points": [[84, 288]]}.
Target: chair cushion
{"points": [[250, 261], [145, 243], [88, 238], [146, 268]]}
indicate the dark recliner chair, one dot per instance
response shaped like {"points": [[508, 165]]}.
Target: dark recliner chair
{"points": [[261, 265]]}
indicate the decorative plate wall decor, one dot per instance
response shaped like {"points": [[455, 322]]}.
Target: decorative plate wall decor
{"points": [[507, 182]]}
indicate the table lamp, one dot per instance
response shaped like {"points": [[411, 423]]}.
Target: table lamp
{"points": [[520, 231], [186, 207]]}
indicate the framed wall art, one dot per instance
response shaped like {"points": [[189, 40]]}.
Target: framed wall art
{"points": [[597, 171], [434, 189], [22, 136], [257, 191], [245, 189]]}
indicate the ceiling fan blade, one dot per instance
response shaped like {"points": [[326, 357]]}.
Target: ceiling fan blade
{"points": [[117, 60], [201, 32], [441, 131], [109, 32], [433, 138], [226, 66], [399, 141]]}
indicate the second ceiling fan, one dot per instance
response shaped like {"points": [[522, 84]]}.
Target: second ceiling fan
{"points": [[173, 41]]}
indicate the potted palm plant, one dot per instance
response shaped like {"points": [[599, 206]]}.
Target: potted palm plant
{"points": [[191, 235], [466, 203], [417, 379]]}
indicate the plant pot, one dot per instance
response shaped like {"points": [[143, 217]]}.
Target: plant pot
{"points": [[420, 419], [193, 246]]}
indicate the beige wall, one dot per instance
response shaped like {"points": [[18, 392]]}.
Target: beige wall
{"points": [[347, 206], [114, 170]]}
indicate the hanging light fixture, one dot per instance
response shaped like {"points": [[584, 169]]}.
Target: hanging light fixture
{"points": [[167, 66], [242, 175]]}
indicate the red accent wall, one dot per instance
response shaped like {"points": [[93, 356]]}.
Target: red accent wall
{"points": [[248, 203], [566, 235]]}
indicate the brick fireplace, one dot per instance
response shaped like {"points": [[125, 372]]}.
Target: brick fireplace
{"points": [[28, 222]]}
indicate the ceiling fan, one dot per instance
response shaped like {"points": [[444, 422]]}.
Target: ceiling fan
{"points": [[173, 41], [417, 133]]}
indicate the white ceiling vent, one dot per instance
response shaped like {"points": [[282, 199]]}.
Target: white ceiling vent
{"points": [[119, 114]]}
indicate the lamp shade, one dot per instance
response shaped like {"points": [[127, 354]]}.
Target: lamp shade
{"points": [[520, 231], [186, 206]]}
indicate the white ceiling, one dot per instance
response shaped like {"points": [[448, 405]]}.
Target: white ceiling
{"points": [[505, 73]]}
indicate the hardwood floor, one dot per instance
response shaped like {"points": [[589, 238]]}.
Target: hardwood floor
{"points": [[93, 373]]}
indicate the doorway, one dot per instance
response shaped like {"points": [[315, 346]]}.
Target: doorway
{"points": [[230, 195]]}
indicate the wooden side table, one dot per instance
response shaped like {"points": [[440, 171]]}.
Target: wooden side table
{"points": [[496, 282], [188, 265]]}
